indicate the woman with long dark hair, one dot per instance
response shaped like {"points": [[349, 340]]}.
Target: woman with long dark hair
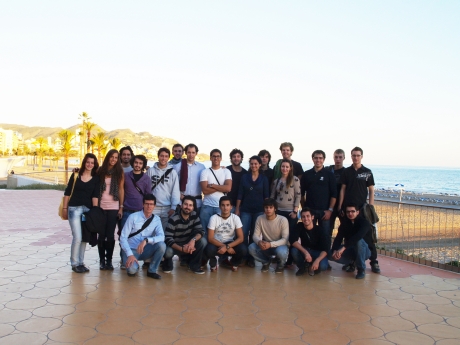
{"points": [[286, 192], [252, 192], [81, 194], [111, 195]]}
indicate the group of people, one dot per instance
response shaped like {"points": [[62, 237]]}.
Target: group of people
{"points": [[224, 216]]}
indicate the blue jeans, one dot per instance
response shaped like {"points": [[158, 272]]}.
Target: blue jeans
{"points": [[77, 249], [206, 213], [299, 258], [358, 253], [249, 222], [264, 256], [154, 252]]}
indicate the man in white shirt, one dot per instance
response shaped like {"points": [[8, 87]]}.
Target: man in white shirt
{"points": [[189, 179], [215, 183], [225, 237]]}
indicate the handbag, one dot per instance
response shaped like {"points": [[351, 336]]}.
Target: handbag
{"points": [[61, 205]]}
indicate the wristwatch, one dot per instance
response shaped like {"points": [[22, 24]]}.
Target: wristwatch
{"points": [[146, 240], [331, 209], [228, 247], [194, 239]]}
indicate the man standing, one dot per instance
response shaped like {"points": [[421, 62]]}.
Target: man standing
{"points": [[215, 183], [189, 172], [225, 237], [178, 151], [357, 184], [313, 248], [184, 237], [355, 250], [165, 186], [286, 151], [271, 236], [265, 169], [337, 169], [126, 153], [319, 191], [236, 157], [142, 238]]}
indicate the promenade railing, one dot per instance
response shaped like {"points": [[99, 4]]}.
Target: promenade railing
{"points": [[420, 233]]}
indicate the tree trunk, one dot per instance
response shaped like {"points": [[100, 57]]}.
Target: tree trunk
{"points": [[66, 168]]}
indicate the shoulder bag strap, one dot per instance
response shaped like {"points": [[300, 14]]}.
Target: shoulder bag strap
{"points": [[146, 224], [136, 186], [73, 186], [215, 176]]}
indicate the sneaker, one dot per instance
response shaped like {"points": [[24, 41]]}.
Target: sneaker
{"points": [[102, 265], [131, 274], [77, 269], [311, 271], [234, 268], [361, 274], [375, 267], [265, 267], [166, 270], [279, 269], [198, 271], [251, 263], [213, 269], [84, 268], [109, 266], [349, 268], [145, 265], [153, 275], [300, 271], [122, 266]]}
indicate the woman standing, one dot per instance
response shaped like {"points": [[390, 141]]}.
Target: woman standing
{"points": [[111, 195], [81, 194], [253, 191], [286, 192]]}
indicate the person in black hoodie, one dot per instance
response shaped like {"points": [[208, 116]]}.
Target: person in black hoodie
{"points": [[354, 249]]}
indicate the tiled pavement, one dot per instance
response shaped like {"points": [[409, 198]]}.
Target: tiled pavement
{"points": [[43, 301]]}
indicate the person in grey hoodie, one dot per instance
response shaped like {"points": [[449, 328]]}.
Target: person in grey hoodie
{"points": [[165, 186]]}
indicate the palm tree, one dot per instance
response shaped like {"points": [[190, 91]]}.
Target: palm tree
{"points": [[41, 142], [66, 137], [115, 143], [99, 140], [84, 118], [88, 127]]}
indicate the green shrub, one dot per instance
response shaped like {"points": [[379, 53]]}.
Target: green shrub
{"points": [[36, 186]]}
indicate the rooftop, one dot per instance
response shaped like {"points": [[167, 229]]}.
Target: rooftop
{"points": [[43, 302]]}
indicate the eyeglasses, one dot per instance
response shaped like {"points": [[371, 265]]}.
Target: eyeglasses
{"points": [[352, 211], [215, 157]]}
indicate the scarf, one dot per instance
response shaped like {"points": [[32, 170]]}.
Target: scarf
{"points": [[277, 170], [183, 175], [175, 161], [113, 185]]}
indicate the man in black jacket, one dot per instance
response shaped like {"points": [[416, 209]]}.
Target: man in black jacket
{"points": [[354, 249], [312, 250]]}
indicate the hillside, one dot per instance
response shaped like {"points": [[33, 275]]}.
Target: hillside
{"points": [[141, 143]]}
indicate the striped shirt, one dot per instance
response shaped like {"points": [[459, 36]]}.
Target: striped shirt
{"points": [[180, 231]]}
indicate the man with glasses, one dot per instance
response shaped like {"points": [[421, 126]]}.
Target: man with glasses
{"points": [[355, 250], [215, 183], [142, 238], [357, 184]]}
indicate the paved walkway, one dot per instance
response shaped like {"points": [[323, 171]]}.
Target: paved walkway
{"points": [[43, 302]]}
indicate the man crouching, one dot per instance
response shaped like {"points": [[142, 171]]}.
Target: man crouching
{"points": [[142, 238]]}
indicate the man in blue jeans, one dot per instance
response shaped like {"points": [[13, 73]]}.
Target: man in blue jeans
{"points": [[355, 249], [142, 238], [271, 236], [312, 250]]}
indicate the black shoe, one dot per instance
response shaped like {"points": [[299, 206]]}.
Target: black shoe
{"points": [[375, 267], [361, 274], [145, 265], [300, 271], [109, 266], [102, 265], [349, 268], [251, 264], [77, 269], [84, 268], [265, 267], [153, 275], [198, 271]]}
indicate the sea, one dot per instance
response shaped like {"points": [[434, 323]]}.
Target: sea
{"points": [[421, 180]]}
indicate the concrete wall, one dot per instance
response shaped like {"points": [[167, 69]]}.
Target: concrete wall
{"points": [[15, 181]]}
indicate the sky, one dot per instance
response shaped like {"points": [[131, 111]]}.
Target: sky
{"points": [[382, 75]]}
